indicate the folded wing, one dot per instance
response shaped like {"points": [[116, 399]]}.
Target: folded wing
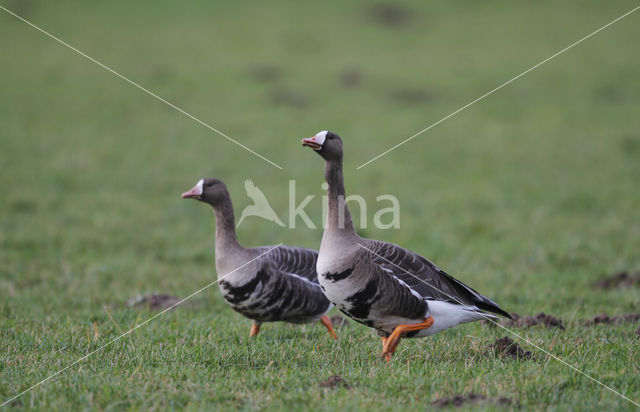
{"points": [[427, 279], [297, 261]]}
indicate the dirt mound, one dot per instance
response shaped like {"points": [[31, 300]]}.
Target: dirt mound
{"points": [[350, 78], [540, 319], [265, 73], [389, 14], [529, 321], [289, 97], [606, 319], [333, 382], [472, 398], [155, 301], [619, 279], [507, 347]]}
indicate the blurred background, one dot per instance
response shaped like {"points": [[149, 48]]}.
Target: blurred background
{"points": [[93, 167], [530, 195]]}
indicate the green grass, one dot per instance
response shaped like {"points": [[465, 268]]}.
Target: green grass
{"points": [[529, 196]]}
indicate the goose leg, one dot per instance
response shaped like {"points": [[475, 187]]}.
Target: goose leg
{"points": [[389, 346], [387, 356], [327, 324], [255, 328]]}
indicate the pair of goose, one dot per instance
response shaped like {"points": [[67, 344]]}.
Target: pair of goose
{"points": [[381, 285]]}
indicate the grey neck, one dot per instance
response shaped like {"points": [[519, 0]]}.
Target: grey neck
{"points": [[226, 240], [338, 216]]}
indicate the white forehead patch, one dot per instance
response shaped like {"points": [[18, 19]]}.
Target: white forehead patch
{"points": [[198, 187], [320, 137]]}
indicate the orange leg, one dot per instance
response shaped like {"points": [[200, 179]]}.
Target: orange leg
{"points": [[327, 324], [255, 328], [387, 356], [389, 346]]}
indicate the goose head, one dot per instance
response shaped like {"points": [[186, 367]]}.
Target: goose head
{"points": [[209, 190], [326, 144]]}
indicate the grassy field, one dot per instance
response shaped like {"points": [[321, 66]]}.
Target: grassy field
{"points": [[530, 196]]}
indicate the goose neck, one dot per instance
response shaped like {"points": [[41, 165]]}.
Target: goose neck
{"points": [[226, 240], [338, 216]]}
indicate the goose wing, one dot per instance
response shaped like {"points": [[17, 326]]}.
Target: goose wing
{"points": [[427, 279], [296, 261]]}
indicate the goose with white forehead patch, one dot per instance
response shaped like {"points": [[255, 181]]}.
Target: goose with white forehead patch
{"points": [[267, 283], [382, 285]]}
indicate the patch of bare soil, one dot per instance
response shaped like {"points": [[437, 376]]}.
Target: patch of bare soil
{"points": [[619, 279], [472, 398], [507, 347], [606, 319], [540, 319], [338, 320], [333, 382], [389, 14], [529, 321], [155, 301], [265, 73], [350, 78], [290, 98]]}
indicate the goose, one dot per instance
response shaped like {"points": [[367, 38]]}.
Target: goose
{"points": [[382, 285], [265, 284]]}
